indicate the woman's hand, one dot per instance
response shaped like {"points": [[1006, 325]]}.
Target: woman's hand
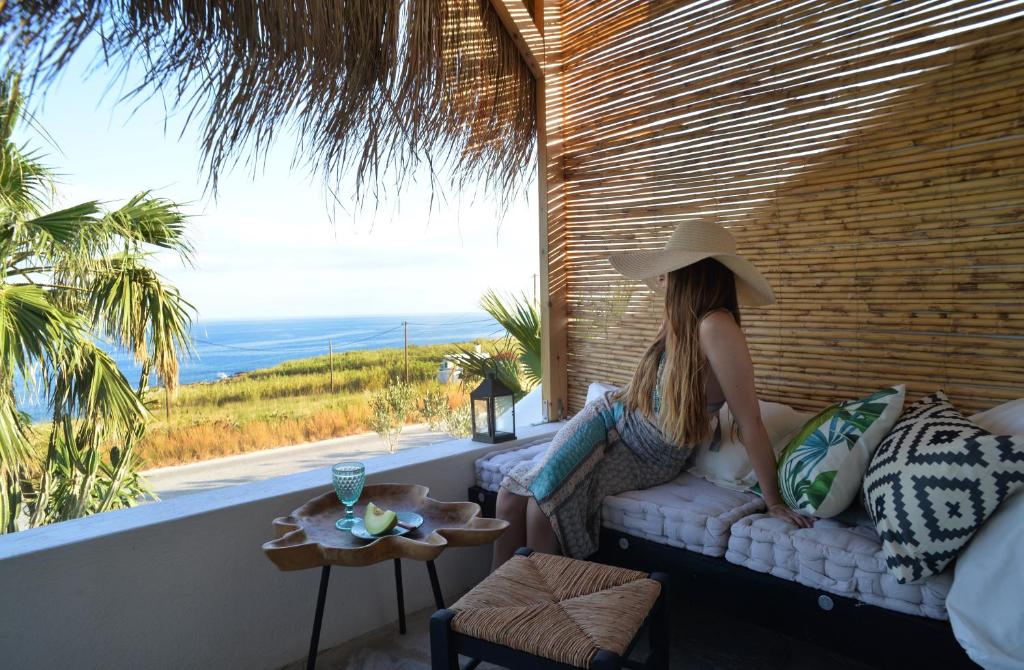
{"points": [[782, 512]]}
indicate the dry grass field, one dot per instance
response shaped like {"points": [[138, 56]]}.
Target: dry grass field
{"points": [[290, 403]]}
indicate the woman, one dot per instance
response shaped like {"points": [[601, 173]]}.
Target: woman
{"points": [[644, 435]]}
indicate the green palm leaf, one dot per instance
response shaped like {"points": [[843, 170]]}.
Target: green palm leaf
{"points": [[503, 363], [63, 226], [519, 316], [820, 487], [33, 330], [90, 385], [153, 221], [137, 309], [34, 334]]}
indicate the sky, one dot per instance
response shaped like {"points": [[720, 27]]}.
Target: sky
{"points": [[267, 246]]}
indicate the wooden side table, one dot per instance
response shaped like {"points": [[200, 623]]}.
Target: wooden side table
{"points": [[308, 538]]}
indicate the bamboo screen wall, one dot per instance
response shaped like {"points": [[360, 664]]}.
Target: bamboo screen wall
{"points": [[868, 157]]}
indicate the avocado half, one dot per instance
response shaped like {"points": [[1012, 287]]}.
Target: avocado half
{"points": [[379, 521]]}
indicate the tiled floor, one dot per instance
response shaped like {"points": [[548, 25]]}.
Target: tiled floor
{"points": [[711, 642]]}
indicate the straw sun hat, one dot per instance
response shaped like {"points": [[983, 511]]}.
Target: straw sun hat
{"points": [[694, 241]]}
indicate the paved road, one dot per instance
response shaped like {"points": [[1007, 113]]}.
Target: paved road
{"points": [[178, 480]]}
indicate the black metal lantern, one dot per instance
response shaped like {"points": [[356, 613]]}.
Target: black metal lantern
{"points": [[494, 411]]}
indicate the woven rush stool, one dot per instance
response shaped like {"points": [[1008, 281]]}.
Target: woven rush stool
{"points": [[547, 612]]}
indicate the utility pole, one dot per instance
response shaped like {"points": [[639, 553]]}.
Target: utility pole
{"points": [[330, 355], [535, 277], [405, 326]]}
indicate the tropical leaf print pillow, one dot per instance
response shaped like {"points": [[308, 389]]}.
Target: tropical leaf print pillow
{"points": [[822, 467]]}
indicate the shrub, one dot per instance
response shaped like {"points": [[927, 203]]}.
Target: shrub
{"points": [[389, 407], [457, 421], [434, 406]]}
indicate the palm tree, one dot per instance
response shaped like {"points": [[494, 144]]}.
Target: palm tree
{"points": [[519, 316], [68, 277], [516, 360]]}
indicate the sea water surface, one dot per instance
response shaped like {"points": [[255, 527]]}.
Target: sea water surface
{"points": [[225, 348]]}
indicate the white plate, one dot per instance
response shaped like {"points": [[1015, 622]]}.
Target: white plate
{"points": [[411, 518]]}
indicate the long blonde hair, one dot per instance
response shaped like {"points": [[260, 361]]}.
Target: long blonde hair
{"points": [[692, 292]]}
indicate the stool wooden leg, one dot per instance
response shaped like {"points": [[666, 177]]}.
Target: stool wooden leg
{"points": [[318, 618], [435, 585], [606, 660], [442, 649], [401, 596], [660, 626]]}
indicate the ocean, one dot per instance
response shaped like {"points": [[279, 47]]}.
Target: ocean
{"points": [[225, 348]]}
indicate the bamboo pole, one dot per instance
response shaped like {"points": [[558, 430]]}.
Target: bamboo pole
{"points": [[552, 220]]}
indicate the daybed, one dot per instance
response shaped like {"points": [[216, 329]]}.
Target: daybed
{"points": [[828, 583]]}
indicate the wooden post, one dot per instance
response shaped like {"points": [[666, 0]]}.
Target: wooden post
{"points": [[330, 355], [551, 186], [524, 32], [405, 326]]}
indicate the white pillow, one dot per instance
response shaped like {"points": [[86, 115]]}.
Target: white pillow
{"points": [[984, 603], [1005, 419], [728, 466], [597, 389]]}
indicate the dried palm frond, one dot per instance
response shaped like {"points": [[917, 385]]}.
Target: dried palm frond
{"points": [[378, 86]]}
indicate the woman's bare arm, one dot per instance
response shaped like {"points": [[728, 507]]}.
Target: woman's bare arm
{"points": [[725, 347]]}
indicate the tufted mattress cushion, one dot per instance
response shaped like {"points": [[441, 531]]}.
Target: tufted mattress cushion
{"points": [[492, 467], [687, 512], [842, 555]]}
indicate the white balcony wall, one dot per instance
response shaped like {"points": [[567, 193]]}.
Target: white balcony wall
{"points": [[185, 584]]}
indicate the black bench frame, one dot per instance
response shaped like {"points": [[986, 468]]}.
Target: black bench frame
{"points": [[867, 633]]}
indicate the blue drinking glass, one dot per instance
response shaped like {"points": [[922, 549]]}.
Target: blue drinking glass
{"points": [[349, 477]]}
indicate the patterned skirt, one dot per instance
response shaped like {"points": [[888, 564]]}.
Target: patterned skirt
{"points": [[602, 451]]}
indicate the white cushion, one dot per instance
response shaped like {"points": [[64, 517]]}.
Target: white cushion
{"points": [[1005, 419], [729, 466], [597, 389], [985, 603], [934, 481], [686, 512], [492, 467], [841, 555], [821, 469]]}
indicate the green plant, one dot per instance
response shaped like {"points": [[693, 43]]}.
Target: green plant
{"points": [[515, 359], [389, 407], [67, 277], [503, 360], [434, 406], [519, 316], [457, 420]]}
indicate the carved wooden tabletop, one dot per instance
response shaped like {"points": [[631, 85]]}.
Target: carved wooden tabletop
{"points": [[307, 538]]}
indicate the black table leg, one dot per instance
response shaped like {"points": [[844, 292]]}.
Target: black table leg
{"points": [[401, 596], [435, 585], [314, 643]]}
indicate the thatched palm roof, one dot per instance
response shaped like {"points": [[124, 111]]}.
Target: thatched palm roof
{"points": [[382, 86]]}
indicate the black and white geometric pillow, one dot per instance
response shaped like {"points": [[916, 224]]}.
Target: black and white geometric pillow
{"points": [[934, 480]]}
